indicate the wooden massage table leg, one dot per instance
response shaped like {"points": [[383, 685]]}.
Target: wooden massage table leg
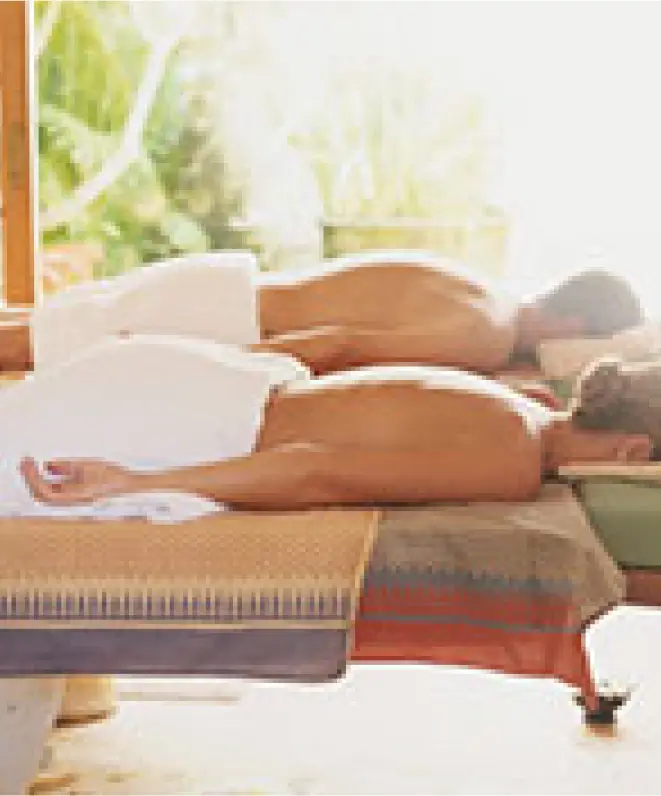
{"points": [[600, 709], [83, 700], [600, 714], [86, 700], [28, 707], [599, 703]]}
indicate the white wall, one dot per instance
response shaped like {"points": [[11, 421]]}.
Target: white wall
{"points": [[576, 88]]}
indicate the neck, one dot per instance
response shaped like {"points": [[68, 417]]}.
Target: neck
{"points": [[525, 339], [554, 436]]}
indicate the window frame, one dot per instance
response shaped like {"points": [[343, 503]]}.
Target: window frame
{"points": [[17, 154]]}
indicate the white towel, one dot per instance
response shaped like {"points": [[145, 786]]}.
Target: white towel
{"points": [[163, 507], [152, 402], [208, 296]]}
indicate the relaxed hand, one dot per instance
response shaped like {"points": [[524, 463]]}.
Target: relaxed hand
{"points": [[75, 480]]}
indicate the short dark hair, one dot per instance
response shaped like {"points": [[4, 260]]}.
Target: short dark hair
{"points": [[605, 303], [598, 395], [620, 396]]}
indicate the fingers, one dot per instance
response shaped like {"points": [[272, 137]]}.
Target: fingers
{"points": [[66, 492], [41, 489], [63, 468], [30, 472]]}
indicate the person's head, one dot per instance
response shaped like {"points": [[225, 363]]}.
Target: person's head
{"points": [[599, 396], [591, 303], [566, 442], [612, 394], [602, 423]]}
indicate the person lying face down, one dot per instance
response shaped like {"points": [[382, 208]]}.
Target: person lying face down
{"points": [[381, 435], [398, 307], [613, 394], [378, 309]]}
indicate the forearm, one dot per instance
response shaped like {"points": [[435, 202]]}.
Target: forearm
{"points": [[297, 478], [467, 349], [279, 479], [327, 349]]}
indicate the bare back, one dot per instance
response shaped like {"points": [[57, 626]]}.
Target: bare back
{"points": [[380, 291], [404, 408]]}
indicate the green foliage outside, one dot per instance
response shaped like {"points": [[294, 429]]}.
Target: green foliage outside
{"points": [[172, 198], [255, 117]]}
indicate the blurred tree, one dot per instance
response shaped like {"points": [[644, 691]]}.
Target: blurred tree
{"points": [[127, 160], [162, 123]]}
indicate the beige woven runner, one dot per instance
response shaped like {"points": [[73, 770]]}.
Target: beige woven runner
{"points": [[230, 570]]}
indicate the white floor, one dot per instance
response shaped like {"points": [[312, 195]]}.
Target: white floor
{"points": [[386, 730]]}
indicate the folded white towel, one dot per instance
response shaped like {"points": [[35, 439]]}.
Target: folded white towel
{"points": [[157, 507], [152, 402], [209, 296]]}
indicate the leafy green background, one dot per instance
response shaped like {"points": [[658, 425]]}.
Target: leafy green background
{"points": [[257, 118], [174, 197]]}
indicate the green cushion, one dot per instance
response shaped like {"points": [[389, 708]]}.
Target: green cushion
{"points": [[562, 389], [627, 518], [626, 515]]}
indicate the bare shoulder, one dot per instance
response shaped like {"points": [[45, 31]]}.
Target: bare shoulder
{"points": [[424, 379], [452, 271]]}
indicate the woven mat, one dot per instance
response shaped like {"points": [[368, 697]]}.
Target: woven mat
{"points": [[546, 545], [300, 568]]}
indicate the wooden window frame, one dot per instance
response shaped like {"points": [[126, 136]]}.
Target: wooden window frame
{"points": [[17, 154]]}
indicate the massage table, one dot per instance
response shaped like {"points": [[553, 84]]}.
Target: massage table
{"points": [[458, 585], [443, 585], [504, 587]]}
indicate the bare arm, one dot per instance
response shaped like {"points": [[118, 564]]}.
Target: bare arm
{"points": [[298, 477], [326, 349]]}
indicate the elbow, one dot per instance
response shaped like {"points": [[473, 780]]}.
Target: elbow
{"points": [[340, 356], [315, 487], [307, 482], [321, 482]]}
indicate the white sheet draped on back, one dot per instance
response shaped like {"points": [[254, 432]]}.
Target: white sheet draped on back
{"points": [[206, 296], [147, 401]]}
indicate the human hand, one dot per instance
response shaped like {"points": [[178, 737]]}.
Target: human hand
{"points": [[76, 480]]}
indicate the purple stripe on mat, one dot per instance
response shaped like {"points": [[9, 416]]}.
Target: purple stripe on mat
{"points": [[286, 655]]}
